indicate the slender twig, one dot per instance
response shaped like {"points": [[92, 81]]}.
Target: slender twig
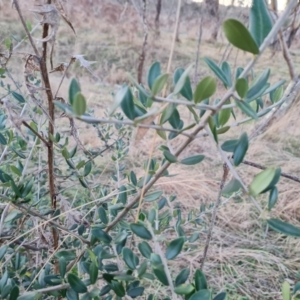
{"points": [[3, 215], [16, 3], [214, 215], [204, 121], [261, 167], [129, 123], [165, 265], [35, 132]]}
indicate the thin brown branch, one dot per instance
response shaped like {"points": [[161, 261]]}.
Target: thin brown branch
{"points": [[214, 214], [144, 47], [261, 167], [35, 132], [16, 3]]}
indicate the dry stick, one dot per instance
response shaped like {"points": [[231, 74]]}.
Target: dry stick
{"points": [[16, 3], [205, 119], [143, 54], [214, 214], [35, 132], [198, 51], [261, 167]]}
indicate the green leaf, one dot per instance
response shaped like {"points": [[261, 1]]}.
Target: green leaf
{"points": [[170, 157], [83, 182], [239, 36], [241, 87], [118, 288], [74, 88], [227, 71], [192, 160], [15, 188], [224, 115], [127, 104], [153, 73], [260, 22], [182, 83], [16, 170], [286, 291], [30, 296], [202, 294], [262, 181], [62, 263], [276, 95], [28, 25], [121, 93], [174, 248], [231, 187], [8, 43], [200, 281], [274, 181], [101, 235], [142, 268], [284, 227], [159, 84], [273, 197], [205, 89], [3, 140], [221, 296], [93, 272], [240, 149], [217, 71], [72, 295], [184, 289], [130, 258], [102, 215], [79, 104], [18, 97], [3, 251], [153, 196], [246, 109], [229, 146], [182, 277], [161, 276], [14, 293], [141, 231], [145, 249], [136, 292], [259, 86], [167, 113], [76, 284], [87, 168], [213, 128]]}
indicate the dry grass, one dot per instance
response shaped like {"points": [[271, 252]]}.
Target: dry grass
{"points": [[245, 259]]}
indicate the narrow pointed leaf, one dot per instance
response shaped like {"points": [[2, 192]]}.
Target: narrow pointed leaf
{"points": [[227, 71], [153, 73], [182, 277], [200, 281], [101, 235], [261, 181], [145, 249], [260, 22], [182, 83], [221, 296], [174, 248], [241, 87], [184, 289], [192, 160], [240, 149], [159, 84], [2, 139], [259, 86], [76, 284], [161, 276], [283, 227], [224, 115], [18, 97], [246, 109], [93, 272], [217, 70], [229, 145], [74, 88], [127, 104], [130, 258], [205, 89], [273, 197], [79, 104], [239, 36], [170, 157], [141, 231]]}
